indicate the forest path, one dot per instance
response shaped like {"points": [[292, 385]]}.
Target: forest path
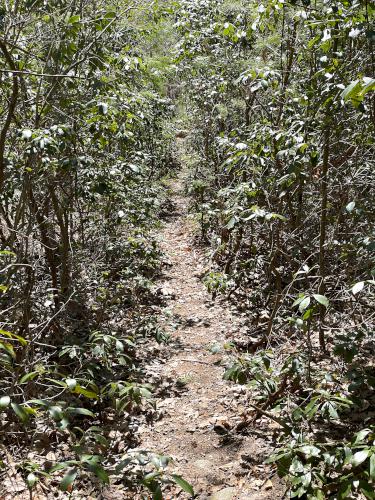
{"points": [[192, 424]]}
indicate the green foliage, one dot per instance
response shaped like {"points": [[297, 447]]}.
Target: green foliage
{"points": [[328, 470], [280, 99], [85, 141]]}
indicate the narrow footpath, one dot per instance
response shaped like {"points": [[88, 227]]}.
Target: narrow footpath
{"points": [[195, 424]]}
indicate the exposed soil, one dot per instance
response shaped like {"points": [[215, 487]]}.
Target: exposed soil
{"points": [[196, 424]]}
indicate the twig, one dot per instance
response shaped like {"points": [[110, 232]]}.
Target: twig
{"points": [[32, 73], [197, 361], [272, 417]]}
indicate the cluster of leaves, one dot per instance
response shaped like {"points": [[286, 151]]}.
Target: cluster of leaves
{"points": [[281, 99], [85, 141]]}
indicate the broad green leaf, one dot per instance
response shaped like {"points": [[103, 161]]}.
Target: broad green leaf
{"points": [[92, 463], [74, 19], [145, 393], [359, 457], [367, 490], [304, 304], [99, 472], [345, 489], [156, 493], [352, 89], [332, 411], [110, 14], [360, 436], [358, 287], [310, 451], [233, 221], [20, 412], [71, 383], [31, 480], [322, 299], [28, 376], [368, 85], [350, 206], [68, 480], [372, 467], [298, 300], [4, 402], [56, 412], [85, 392], [13, 336], [307, 314], [183, 484], [80, 411]]}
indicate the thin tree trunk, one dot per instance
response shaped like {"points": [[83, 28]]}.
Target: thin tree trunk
{"points": [[323, 232]]}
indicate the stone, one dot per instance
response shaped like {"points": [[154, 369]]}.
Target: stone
{"points": [[225, 494]]}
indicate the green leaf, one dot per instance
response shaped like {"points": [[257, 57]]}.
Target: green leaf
{"points": [[157, 494], [4, 402], [92, 464], [345, 489], [233, 221], [367, 489], [369, 85], [372, 467], [57, 382], [7, 252], [332, 411], [360, 436], [310, 451], [322, 299], [74, 19], [31, 480], [110, 14], [39, 402], [350, 206], [20, 412], [56, 412], [68, 480], [80, 411], [358, 287], [352, 89], [304, 304], [13, 336], [99, 472], [85, 392], [71, 383], [298, 300], [184, 485], [359, 457], [28, 376], [307, 314]]}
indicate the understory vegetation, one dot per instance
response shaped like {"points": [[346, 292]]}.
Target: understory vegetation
{"points": [[277, 99], [282, 108], [84, 148]]}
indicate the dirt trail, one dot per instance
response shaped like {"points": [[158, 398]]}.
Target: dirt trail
{"points": [[192, 428]]}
